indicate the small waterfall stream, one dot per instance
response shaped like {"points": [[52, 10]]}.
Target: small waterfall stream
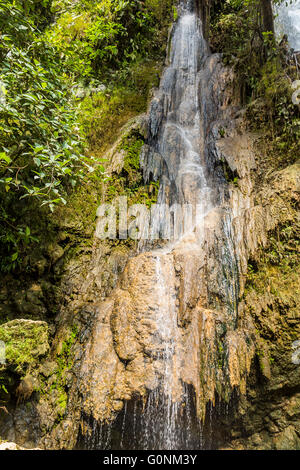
{"points": [[288, 22]]}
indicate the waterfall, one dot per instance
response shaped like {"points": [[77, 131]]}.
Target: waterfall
{"points": [[165, 349], [288, 22], [176, 132], [175, 144]]}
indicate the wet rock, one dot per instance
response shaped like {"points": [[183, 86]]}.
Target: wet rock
{"points": [[116, 155], [288, 440], [26, 388], [265, 367]]}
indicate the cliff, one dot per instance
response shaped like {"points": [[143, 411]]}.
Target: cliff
{"points": [[91, 330]]}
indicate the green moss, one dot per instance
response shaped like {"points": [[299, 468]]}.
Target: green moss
{"points": [[263, 76], [129, 182], [62, 402], [64, 361], [272, 297], [58, 387], [278, 265], [230, 176], [103, 114], [132, 146], [221, 355], [116, 74], [64, 358], [25, 342]]}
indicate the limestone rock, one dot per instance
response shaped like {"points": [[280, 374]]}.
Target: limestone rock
{"points": [[13, 446]]}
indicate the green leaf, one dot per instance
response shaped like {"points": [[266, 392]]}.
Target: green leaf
{"points": [[5, 157]]}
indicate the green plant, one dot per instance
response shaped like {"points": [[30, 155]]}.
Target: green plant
{"points": [[41, 148], [222, 132], [103, 37], [25, 343]]}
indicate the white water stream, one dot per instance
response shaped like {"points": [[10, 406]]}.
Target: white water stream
{"points": [[288, 22]]}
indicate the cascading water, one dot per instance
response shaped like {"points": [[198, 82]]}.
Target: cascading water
{"points": [[165, 347], [288, 22], [176, 133]]}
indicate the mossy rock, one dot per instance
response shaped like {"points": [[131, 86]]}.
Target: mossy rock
{"points": [[25, 342]]}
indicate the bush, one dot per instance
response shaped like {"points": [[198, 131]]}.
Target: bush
{"points": [[99, 38], [40, 149]]}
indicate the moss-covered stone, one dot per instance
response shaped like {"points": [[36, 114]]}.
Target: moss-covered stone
{"points": [[26, 341]]}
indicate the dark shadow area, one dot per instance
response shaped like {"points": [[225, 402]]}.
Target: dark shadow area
{"points": [[149, 424]]}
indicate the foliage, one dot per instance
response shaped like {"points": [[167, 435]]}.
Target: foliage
{"points": [[284, 246], [38, 10], [40, 148], [64, 361], [274, 110], [105, 112], [237, 32], [46, 45], [279, 263], [101, 38]]}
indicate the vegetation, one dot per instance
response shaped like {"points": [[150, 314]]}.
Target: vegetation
{"points": [[265, 71], [71, 75], [65, 362], [104, 38], [272, 296], [25, 342], [40, 150], [130, 181]]}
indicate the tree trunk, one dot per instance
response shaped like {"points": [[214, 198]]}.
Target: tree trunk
{"points": [[267, 16]]}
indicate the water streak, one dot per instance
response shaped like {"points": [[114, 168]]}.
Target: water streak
{"points": [[288, 22]]}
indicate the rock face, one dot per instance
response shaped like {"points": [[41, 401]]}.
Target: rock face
{"points": [[188, 343], [175, 334]]}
